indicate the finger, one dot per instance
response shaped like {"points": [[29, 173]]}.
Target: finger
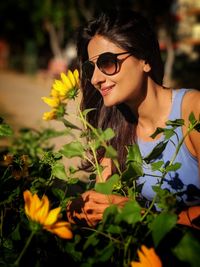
{"points": [[93, 208]]}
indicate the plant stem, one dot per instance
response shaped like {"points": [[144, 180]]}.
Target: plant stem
{"points": [[171, 162], [104, 234], [16, 263], [126, 246]]}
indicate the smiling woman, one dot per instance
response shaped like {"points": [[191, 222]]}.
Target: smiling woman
{"points": [[122, 74]]}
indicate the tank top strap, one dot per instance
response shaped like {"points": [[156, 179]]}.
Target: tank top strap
{"points": [[177, 97]]}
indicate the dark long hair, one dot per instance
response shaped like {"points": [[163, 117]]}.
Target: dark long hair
{"points": [[130, 31]]}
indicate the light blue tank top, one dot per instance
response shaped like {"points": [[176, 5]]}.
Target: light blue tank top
{"points": [[185, 182]]}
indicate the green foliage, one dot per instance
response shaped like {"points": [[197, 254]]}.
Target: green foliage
{"points": [[188, 250], [5, 129], [30, 162], [107, 187], [162, 224]]}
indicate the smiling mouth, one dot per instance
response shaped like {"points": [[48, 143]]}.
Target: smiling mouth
{"points": [[106, 91]]}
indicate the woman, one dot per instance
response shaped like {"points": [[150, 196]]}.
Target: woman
{"points": [[122, 74]]}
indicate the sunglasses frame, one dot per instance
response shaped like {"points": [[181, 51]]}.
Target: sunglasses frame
{"points": [[116, 62]]}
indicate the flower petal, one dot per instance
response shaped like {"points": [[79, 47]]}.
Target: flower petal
{"points": [[66, 81], [34, 207], [52, 216], [60, 88], [51, 115], [147, 257], [136, 264], [144, 260], [52, 102], [152, 256], [61, 229], [27, 198], [76, 76], [54, 93], [71, 78], [42, 213]]}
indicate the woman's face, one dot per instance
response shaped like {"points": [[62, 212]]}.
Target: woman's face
{"points": [[125, 86]]}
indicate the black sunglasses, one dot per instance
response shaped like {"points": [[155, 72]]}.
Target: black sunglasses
{"points": [[108, 63]]}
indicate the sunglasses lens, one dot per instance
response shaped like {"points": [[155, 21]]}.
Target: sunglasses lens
{"points": [[107, 63], [88, 70]]}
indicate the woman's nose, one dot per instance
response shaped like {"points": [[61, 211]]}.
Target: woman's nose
{"points": [[97, 77]]}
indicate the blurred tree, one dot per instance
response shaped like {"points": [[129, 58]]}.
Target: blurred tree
{"points": [[50, 24]]}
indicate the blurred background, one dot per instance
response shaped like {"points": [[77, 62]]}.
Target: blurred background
{"points": [[37, 43]]}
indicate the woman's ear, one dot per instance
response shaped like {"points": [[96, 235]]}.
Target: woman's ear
{"points": [[146, 67]]}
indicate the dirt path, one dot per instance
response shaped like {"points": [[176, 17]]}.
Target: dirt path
{"points": [[21, 104], [20, 99]]}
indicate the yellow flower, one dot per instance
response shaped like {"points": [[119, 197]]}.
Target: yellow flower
{"points": [[55, 93], [66, 86], [37, 210], [76, 76], [71, 79], [60, 88], [51, 115], [147, 257], [52, 102]]}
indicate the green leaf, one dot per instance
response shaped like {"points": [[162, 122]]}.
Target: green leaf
{"points": [[73, 180], [5, 130], [73, 149], [107, 187], [166, 200], [131, 213], [69, 124], [161, 225], [58, 193], [192, 118], [194, 122], [134, 154], [105, 254], [157, 150], [58, 170], [173, 167], [157, 132], [156, 166], [71, 249], [86, 111], [91, 240], [111, 152], [108, 134], [114, 229], [110, 213], [188, 250], [168, 133], [133, 171], [175, 123]]}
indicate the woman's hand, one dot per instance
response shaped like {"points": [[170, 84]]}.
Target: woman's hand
{"points": [[190, 217], [90, 206]]}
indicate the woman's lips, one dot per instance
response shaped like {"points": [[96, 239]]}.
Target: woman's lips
{"points": [[106, 90]]}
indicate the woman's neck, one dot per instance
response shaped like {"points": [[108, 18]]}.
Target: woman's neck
{"points": [[153, 111]]}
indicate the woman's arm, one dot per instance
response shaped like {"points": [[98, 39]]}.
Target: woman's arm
{"points": [[190, 217], [191, 103]]}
